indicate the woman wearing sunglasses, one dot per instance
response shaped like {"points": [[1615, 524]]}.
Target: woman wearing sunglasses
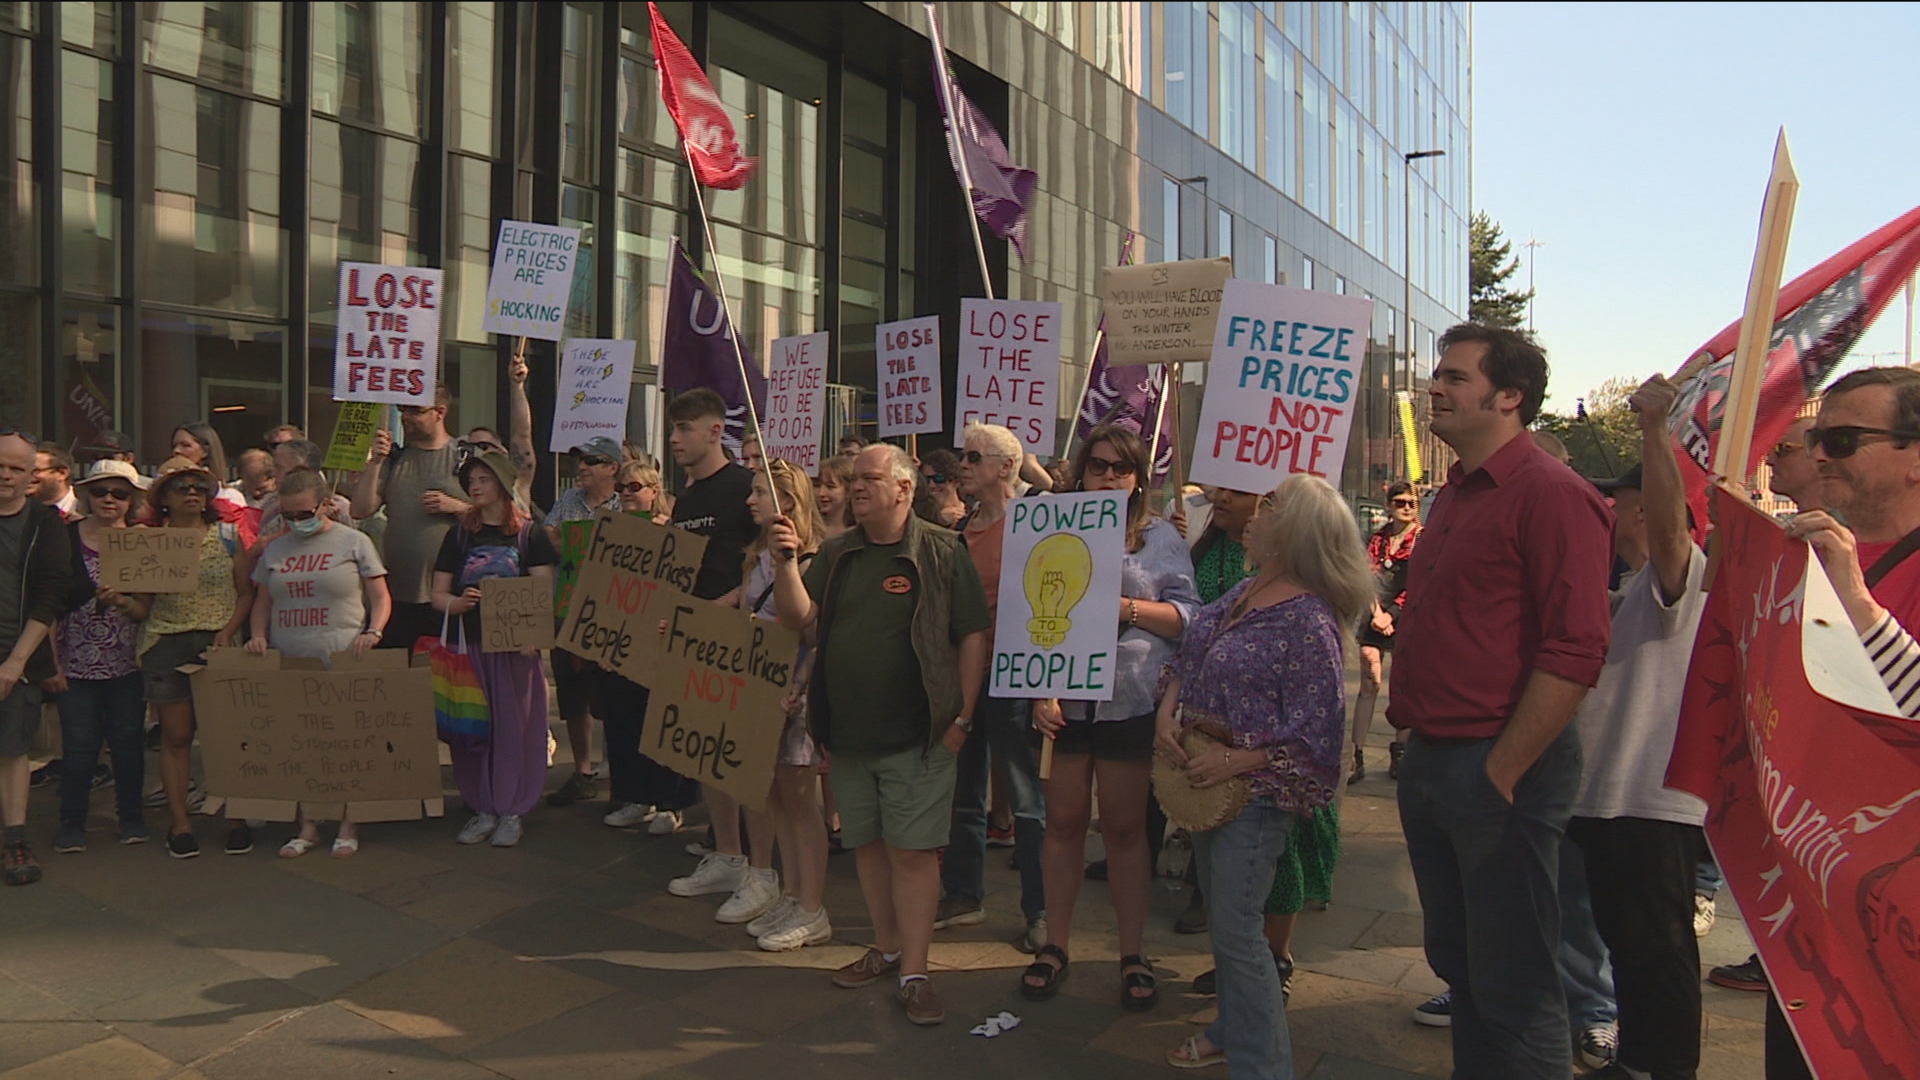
{"points": [[1112, 741], [1388, 550], [101, 704], [938, 499], [322, 590]]}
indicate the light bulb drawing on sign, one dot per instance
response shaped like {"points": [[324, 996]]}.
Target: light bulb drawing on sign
{"points": [[1057, 574]]}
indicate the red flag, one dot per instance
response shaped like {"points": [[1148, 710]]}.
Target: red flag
{"points": [[705, 129]]}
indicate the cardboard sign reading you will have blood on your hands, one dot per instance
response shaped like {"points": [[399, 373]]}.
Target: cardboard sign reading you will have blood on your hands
{"points": [[387, 347], [716, 711], [1009, 369], [1281, 386]]}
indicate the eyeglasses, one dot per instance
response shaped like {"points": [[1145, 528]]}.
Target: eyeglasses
{"points": [[594, 459], [298, 515], [935, 477], [122, 494], [201, 486], [1097, 466], [1410, 504], [416, 410], [635, 488], [1845, 440], [975, 457]]}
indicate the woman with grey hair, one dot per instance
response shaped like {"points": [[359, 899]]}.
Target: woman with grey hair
{"points": [[1265, 667]]}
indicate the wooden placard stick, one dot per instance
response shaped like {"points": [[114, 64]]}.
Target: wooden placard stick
{"points": [[1732, 456]]}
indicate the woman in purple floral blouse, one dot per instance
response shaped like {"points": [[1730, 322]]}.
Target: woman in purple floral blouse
{"points": [[1265, 664]]}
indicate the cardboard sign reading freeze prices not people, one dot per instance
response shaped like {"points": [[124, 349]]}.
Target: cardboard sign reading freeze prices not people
{"points": [[1281, 386], [796, 399], [715, 714], [1009, 369], [907, 362], [533, 268], [1058, 626], [387, 348], [629, 572]]}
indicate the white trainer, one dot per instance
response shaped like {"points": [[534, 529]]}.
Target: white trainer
{"points": [[508, 832], [626, 817], [775, 917], [1704, 914], [716, 873], [806, 928], [758, 890], [663, 822], [478, 829]]}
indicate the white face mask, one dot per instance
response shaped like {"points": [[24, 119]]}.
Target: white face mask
{"points": [[308, 527]]}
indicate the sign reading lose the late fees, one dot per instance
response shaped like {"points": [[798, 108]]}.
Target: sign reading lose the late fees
{"points": [[1058, 625], [596, 377], [907, 366], [387, 348], [715, 713], [1009, 368], [1280, 386], [796, 399], [533, 268]]}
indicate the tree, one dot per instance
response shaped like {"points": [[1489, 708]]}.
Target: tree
{"points": [[1491, 265], [1602, 436]]}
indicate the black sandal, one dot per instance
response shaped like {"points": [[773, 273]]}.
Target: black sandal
{"points": [[1054, 974], [1137, 980]]}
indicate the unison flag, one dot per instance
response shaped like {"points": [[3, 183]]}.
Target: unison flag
{"points": [[705, 128], [1130, 397], [1001, 190], [698, 347]]}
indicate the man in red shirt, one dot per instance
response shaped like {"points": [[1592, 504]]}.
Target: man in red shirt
{"points": [[1505, 628]]}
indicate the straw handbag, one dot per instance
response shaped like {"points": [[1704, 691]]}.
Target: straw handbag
{"points": [[1196, 808]]}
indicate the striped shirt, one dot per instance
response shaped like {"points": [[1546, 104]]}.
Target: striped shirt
{"points": [[1896, 656]]}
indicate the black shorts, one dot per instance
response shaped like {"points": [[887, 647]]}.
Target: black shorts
{"points": [[411, 622], [1108, 740], [573, 684]]}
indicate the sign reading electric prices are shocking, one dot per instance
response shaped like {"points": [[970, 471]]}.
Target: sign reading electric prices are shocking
{"points": [[533, 268], [1281, 384]]}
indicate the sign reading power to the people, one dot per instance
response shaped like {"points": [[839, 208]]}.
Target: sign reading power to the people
{"points": [[387, 348], [716, 711]]}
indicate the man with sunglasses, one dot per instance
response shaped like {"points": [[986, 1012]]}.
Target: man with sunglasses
{"points": [[34, 558], [422, 494], [596, 463], [1794, 474]]}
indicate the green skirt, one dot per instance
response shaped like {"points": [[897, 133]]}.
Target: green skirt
{"points": [[1305, 870]]}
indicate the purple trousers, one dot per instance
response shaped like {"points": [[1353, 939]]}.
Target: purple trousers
{"points": [[504, 771]]}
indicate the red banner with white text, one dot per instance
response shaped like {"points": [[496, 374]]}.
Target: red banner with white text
{"points": [[706, 130]]}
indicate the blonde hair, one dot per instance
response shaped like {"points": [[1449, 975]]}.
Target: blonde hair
{"points": [[1305, 533], [790, 484], [633, 469]]}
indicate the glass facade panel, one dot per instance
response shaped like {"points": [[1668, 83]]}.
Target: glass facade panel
{"points": [[579, 83], [20, 356], [365, 208], [19, 252], [470, 234], [471, 71], [227, 372], [369, 61], [1282, 116], [89, 371], [90, 202], [212, 218], [87, 25], [233, 45]]}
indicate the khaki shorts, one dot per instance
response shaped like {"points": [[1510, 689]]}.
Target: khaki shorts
{"points": [[904, 798], [160, 674]]}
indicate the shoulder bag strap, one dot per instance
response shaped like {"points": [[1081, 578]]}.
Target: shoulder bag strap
{"points": [[1895, 555]]}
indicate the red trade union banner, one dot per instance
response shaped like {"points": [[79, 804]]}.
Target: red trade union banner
{"points": [[705, 128], [1811, 810]]}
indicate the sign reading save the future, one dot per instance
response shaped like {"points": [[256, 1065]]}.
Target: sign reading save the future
{"points": [[1059, 625], [1280, 386], [533, 269]]}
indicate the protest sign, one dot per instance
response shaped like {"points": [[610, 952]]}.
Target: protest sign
{"points": [[516, 613], [1056, 633], [566, 573], [275, 735], [595, 377], [796, 400], [1281, 386], [715, 714], [387, 347], [151, 560], [629, 571], [1009, 368], [1162, 313], [352, 436], [907, 366], [533, 269]]}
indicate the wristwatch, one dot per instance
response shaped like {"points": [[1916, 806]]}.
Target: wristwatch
{"points": [[964, 723], [370, 630]]}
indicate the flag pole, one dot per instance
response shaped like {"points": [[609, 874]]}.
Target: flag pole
{"points": [[953, 143], [1159, 418], [1099, 338]]}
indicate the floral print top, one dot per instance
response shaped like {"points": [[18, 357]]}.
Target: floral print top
{"points": [[95, 641], [1277, 680]]}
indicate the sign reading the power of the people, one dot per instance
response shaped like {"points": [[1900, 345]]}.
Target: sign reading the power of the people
{"points": [[387, 348], [1058, 627], [533, 267], [1280, 386], [907, 363], [796, 399], [629, 572], [1009, 368], [715, 714], [590, 399]]}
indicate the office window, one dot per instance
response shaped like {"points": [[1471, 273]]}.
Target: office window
{"points": [[90, 210], [19, 251], [1306, 273], [580, 93], [1239, 82], [1186, 63], [369, 64], [232, 45], [1224, 234], [212, 214], [471, 69], [1315, 120], [1283, 107], [1169, 220]]}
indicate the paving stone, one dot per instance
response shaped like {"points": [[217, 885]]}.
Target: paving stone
{"points": [[468, 992], [329, 1042], [114, 1056]]}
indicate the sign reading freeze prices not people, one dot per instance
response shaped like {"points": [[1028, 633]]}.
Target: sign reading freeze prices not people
{"points": [[1056, 634], [796, 399], [1280, 386], [533, 268], [1009, 369], [595, 380], [387, 349], [908, 364]]}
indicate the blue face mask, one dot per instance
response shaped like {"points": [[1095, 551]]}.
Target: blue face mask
{"points": [[308, 527]]}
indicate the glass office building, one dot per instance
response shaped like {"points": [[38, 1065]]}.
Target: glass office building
{"points": [[179, 180]]}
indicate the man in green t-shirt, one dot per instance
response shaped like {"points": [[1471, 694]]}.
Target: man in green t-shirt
{"points": [[901, 621]]}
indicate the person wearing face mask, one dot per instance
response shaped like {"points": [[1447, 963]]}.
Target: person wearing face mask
{"points": [[309, 603]]}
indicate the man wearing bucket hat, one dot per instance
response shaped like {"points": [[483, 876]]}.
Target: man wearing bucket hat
{"points": [[33, 586]]}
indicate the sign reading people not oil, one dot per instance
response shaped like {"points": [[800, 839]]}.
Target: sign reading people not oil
{"points": [[1059, 612]]}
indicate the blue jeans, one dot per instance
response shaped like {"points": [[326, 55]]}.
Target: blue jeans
{"points": [[96, 712], [1488, 872], [1236, 864], [1585, 971], [1707, 878], [1003, 729]]}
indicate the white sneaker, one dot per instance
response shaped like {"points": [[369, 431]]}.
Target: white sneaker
{"points": [[1600, 1045], [774, 918], [626, 817], [1704, 914], [478, 829], [663, 822], [803, 930], [508, 832], [758, 890], [716, 873]]}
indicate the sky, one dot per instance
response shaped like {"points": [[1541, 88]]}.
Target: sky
{"points": [[1633, 142]]}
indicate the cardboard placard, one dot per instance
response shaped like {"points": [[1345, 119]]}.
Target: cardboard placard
{"points": [[516, 613], [796, 399], [151, 560], [1056, 633], [352, 436], [1163, 313], [628, 572], [1009, 369], [595, 380], [566, 573], [276, 735], [1280, 393], [908, 363], [387, 348], [715, 714], [533, 273]]}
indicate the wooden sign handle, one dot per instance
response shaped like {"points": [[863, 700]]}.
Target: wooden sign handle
{"points": [[1046, 759]]}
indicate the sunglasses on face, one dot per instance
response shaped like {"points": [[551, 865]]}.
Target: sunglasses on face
{"points": [[193, 486], [935, 477], [123, 494], [299, 515], [1101, 467], [1845, 440], [1409, 504], [975, 457], [593, 459], [634, 488]]}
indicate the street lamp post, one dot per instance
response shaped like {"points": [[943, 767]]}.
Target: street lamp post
{"points": [[1406, 312], [1532, 247]]}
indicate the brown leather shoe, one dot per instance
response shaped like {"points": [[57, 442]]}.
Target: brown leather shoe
{"points": [[923, 1002], [871, 965]]}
